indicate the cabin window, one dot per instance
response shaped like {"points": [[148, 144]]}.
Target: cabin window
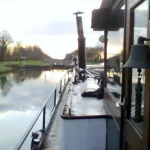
{"points": [[115, 62], [140, 15]]}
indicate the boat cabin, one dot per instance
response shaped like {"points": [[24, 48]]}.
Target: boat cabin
{"points": [[122, 121], [126, 44]]}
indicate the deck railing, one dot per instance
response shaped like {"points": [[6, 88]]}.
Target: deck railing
{"points": [[49, 106]]}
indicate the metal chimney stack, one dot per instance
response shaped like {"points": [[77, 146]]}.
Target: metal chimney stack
{"points": [[81, 41]]}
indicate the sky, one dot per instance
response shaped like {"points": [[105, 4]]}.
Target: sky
{"points": [[49, 23]]}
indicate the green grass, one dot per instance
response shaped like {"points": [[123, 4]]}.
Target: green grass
{"points": [[4, 68], [28, 62]]}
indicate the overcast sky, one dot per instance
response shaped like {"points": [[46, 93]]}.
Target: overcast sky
{"points": [[48, 23]]}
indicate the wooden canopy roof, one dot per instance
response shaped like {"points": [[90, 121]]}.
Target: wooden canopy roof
{"points": [[111, 4], [109, 16]]}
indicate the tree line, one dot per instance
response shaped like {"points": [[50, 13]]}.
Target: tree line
{"points": [[93, 55], [13, 53], [10, 53]]}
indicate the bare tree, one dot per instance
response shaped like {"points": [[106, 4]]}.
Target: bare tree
{"points": [[5, 40]]}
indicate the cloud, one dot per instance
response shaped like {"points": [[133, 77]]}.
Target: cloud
{"points": [[54, 28], [34, 21]]}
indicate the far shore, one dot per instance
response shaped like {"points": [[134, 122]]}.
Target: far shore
{"points": [[9, 66], [6, 67]]}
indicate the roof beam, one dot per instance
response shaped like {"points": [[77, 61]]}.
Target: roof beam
{"points": [[111, 4]]}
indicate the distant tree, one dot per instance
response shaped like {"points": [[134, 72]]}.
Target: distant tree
{"points": [[37, 52], [93, 54], [32, 52], [5, 40], [17, 50], [7, 55]]}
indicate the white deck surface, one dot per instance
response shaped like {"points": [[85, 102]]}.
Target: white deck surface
{"points": [[77, 134], [83, 106], [83, 134], [85, 126]]}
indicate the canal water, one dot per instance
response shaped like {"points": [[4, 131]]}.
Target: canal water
{"points": [[22, 94]]}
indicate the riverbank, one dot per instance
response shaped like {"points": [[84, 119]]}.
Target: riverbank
{"points": [[6, 67]]}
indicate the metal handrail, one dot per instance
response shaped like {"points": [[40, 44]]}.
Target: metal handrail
{"points": [[22, 140], [89, 73]]}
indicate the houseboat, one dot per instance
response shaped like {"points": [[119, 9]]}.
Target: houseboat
{"points": [[120, 119]]}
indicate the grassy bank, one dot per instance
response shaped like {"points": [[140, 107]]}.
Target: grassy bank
{"points": [[4, 68], [27, 62]]}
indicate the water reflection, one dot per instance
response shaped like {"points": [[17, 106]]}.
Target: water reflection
{"points": [[22, 74], [5, 85], [22, 94]]}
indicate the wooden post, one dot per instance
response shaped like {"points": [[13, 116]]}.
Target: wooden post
{"points": [[81, 52], [44, 113], [81, 42], [60, 89], [105, 57], [55, 98]]}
